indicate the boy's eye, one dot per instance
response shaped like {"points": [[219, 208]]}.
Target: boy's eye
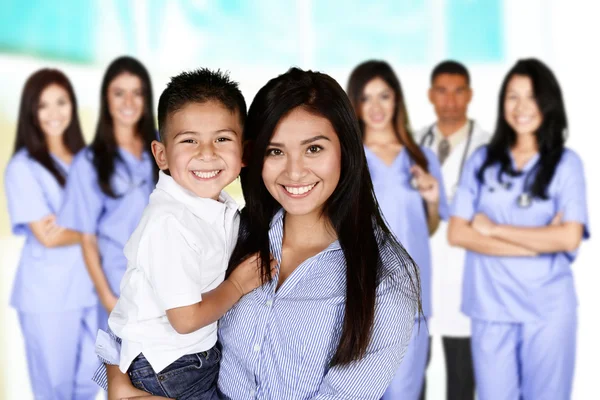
{"points": [[274, 152], [223, 140], [188, 141], [314, 149]]}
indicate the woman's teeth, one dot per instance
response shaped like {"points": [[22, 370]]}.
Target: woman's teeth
{"points": [[206, 174], [299, 189]]}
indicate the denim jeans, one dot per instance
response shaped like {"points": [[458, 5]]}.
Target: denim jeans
{"points": [[193, 376]]}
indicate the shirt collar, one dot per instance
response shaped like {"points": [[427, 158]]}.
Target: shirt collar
{"points": [[130, 158], [206, 209], [454, 139], [529, 165]]}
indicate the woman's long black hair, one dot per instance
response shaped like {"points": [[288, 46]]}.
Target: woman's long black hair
{"points": [[29, 133], [363, 74], [550, 136], [351, 209], [104, 146]]}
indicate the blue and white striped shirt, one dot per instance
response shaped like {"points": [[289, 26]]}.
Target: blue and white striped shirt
{"points": [[278, 344]]}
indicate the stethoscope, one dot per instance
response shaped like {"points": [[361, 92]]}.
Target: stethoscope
{"points": [[133, 185], [525, 199], [427, 141]]}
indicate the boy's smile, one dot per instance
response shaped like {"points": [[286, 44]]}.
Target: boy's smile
{"points": [[203, 149]]}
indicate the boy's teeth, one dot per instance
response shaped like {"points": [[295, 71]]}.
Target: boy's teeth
{"points": [[299, 190], [206, 175]]}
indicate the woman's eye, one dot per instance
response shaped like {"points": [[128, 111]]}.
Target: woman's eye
{"points": [[314, 149], [274, 152]]}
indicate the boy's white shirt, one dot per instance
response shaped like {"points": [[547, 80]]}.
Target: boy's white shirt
{"points": [[179, 250]]}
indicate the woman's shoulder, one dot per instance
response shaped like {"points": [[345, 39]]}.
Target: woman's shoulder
{"points": [[21, 157], [84, 159], [570, 164]]}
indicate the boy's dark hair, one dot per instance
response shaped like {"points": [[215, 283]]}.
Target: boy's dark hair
{"points": [[199, 86], [450, 67]]}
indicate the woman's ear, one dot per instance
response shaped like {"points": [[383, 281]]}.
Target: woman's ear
{"points": [[247, 152]]}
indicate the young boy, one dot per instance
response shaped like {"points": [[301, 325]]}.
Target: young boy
{"points": [[174, 290]]}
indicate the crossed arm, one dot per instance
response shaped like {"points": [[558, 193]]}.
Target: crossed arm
{"points": [[481, 235]]}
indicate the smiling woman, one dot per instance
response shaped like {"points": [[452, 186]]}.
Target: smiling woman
{"points": [[519, 289], [303, 159], [408, 184], [52, 293], [111, 180]]}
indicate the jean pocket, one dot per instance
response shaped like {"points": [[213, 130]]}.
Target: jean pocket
{"points": [[189, 374], [140, 368]]}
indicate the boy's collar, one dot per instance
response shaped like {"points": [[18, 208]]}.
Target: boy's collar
{"points": [[207, 209]]}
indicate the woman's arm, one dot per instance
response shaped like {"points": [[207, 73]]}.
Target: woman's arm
{"points": [[462, 234], [51, 235], [91, 256], [369, 377], [433, 217], [554, 238]]}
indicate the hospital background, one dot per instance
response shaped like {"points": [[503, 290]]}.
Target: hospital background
{"points": [[257, 40]]}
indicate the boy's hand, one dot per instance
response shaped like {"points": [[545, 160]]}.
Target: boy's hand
{"points": [[247, 276]]}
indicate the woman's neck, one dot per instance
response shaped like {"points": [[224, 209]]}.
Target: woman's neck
{"points": [[526, 144], [312, 230], [128, 139], [125, 135], [383, 136], [57, 147], [524, 149]]}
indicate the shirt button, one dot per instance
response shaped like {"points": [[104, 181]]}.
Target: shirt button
{"points": [[269, 303], [257, 347]]}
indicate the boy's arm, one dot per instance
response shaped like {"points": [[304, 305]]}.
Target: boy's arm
{"points": [[213, 306], [175, 269], [245, 278]]}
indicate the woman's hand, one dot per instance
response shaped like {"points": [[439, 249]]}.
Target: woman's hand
{"points": [[482, 224], [427, 185]]}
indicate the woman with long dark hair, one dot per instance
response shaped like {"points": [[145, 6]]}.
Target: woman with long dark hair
{"points": [[336, 319], [52, 292], [112, 179], [409, 189], [521, 213]]}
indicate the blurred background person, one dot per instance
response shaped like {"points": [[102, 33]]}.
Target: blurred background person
{"points": [[111, 180], [52, 292], [409, 189], [453, 138], [521, 213]]}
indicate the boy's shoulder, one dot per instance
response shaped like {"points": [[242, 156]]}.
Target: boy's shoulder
{"points": [[166, 212]]}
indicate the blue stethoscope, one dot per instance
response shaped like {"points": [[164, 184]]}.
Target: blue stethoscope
{"points": [[427, 141]]}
